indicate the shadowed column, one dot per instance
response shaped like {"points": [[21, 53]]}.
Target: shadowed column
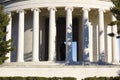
{"points": [[69, 34], [52, 35], [36, 34]]}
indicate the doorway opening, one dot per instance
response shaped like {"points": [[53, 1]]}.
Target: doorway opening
{"points": [[61, 38]]}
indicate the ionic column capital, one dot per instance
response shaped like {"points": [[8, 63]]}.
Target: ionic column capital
{"points": [[52, 8], [103, 10], [20, 11], [69, 8], [35, 9], [86, 8], [9, 12]]}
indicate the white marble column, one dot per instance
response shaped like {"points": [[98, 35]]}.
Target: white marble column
{"points": [[8, 36], [52, 35], [115, 44], [21, 36], [97, 33], [101, 36], [69, 34], [35, 34], [87, 55], [90, 42], [109, 44]]}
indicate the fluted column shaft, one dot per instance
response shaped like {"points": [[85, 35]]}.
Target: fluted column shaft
{"points": [[90, 42], [21, 36], [35, 34], [115, 44], [52, 34], [86, 35], [101, 36], [109, 44], [69, 34]]}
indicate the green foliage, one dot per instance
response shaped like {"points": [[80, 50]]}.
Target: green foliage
{"points": [[102, 78], [115, 10], [17, 78], [5, 46], [55, 78], [37, 78], [68, 78]]}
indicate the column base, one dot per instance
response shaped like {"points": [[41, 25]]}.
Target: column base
{"points": [[7, 61], [35, 60], [20, 61], [116, 63]]}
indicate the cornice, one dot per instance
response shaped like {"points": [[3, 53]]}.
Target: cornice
{"points": [[6, 1], [14, 5]]}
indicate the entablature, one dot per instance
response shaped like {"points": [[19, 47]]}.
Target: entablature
{"points": [[27, 4]]}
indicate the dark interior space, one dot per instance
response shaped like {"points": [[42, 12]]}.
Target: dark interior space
{"points": [[61, 36], [46, 38]]}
